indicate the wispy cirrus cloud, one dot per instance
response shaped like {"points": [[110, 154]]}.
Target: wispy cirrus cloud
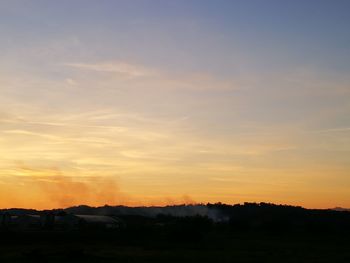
{"points": [[155, 78], [344, 129], [126, 69]]}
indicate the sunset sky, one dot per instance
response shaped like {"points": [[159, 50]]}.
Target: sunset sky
{"points": [[166, 102]]}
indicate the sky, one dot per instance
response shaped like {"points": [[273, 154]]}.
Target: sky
{"points": [[157, 102]]}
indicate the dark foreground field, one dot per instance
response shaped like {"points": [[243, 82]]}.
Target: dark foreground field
{"points": [[239, 233], [213, 246]]}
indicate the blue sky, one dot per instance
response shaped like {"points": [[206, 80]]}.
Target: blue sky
{"points": [[190, 34]]}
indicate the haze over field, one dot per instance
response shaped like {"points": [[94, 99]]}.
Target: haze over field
{"points": [[169, 102]]}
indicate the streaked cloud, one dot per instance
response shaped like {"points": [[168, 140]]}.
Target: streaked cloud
{"points": [[122, 68], [150, 78]]}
